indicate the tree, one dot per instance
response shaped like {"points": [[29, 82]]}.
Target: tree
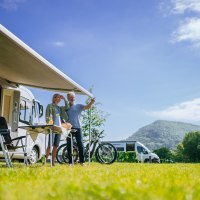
{"points": [[93, 119], [164, 153], [191, 146], [178, 153]]}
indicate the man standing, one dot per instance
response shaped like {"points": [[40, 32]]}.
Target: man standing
{"points": [[74, 113]]}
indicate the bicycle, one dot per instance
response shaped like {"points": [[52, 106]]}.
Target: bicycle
{"points": [[61, 147], [105, 153]]}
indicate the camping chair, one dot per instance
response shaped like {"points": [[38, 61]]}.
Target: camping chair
{"points": [[6, 143]]}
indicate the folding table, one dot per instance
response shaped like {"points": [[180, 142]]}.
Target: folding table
{"points": [[34, 130]]}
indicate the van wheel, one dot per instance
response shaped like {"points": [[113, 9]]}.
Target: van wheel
{"points": [[34, 155], [155, 161]]}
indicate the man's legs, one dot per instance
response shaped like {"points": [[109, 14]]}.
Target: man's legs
{"points": [[79, 140], [69, 149]]}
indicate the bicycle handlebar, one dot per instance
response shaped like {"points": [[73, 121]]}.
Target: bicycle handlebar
{"points": [[73, 130]]}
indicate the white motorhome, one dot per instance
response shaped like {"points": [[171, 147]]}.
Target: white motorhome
{"points": [[20, 108], [22, 66], [143, 154]]}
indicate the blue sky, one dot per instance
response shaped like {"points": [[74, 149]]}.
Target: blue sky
{"points": [[141, 56]]}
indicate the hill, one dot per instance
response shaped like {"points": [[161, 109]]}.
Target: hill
{"points": [[163, 133]]}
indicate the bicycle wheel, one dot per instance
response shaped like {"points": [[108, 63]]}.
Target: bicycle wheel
{"points": [[65, 157], [106, 153], [59, 153]]}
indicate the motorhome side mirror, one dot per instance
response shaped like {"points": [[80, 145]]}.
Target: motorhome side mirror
{"points": [[40, 110]]}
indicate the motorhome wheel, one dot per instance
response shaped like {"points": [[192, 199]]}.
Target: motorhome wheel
{"points": [[34, 156]]}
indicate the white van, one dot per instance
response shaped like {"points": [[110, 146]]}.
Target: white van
{"points": [[143, 154], [20, 108]]}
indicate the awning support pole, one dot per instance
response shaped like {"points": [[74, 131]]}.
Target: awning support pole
{"points": [[89, 115]]}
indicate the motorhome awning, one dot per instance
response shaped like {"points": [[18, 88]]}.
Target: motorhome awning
{"points": [[19, 64]]}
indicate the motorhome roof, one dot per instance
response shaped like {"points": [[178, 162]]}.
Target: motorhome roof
{"points": [[19, 64]]}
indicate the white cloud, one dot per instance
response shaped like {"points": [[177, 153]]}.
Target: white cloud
{"points": [[58, 44], [189, 30], [10, 4], [186, 111], [181, 6]]}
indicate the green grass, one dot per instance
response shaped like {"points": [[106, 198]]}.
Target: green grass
{"points": [[117, 181]]}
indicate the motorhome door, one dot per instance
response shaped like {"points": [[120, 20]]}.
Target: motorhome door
{"points": [[10, 107]]}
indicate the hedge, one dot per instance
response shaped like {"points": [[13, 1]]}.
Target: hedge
{"points": [[126, 156]]}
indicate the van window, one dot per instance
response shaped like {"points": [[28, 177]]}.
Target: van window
{"points": [[130, 147], [120, 148], [141, 150], [25, 111]]}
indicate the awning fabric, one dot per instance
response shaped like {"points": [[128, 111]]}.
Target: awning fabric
{"points": [[19, 64]]}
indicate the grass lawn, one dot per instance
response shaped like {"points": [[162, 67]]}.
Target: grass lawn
{"points": [[117, 181]]}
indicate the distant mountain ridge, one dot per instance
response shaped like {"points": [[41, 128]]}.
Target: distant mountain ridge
{"points": [[162, 133]]}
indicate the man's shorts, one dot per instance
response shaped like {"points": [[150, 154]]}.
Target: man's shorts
{"points": [[55, 139]]}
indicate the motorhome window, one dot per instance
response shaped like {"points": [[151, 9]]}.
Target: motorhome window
{"points": [[25, 112], [35, 111], [130, 147], [120, 148]]}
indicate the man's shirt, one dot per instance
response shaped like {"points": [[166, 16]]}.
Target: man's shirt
{"points": [[74, 113]]}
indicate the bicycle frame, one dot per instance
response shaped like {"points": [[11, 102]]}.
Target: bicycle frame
{"points": [[93, 145]]}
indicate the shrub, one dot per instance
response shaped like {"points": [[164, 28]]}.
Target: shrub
{"points": [[126, 156]]}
